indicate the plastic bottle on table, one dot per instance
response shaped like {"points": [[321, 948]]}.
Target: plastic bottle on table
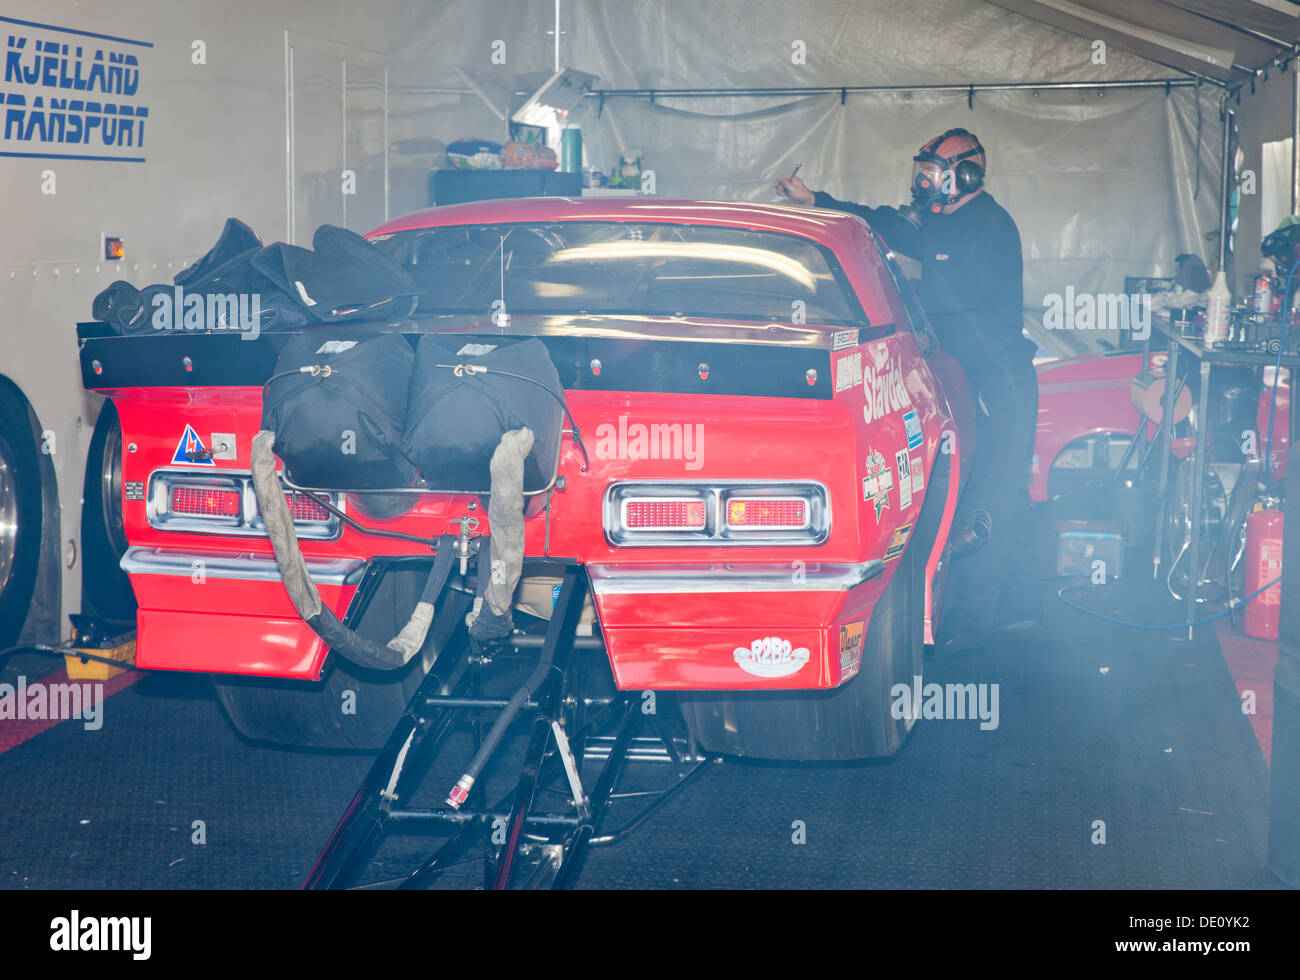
{"points": [[1216, 310]]}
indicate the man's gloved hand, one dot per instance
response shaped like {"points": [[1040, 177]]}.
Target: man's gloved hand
{"points": [[791, 187]]}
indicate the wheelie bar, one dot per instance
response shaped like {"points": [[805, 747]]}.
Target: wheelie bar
{"points": [[400, 766]]}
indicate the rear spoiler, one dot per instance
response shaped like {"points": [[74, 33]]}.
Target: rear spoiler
{"points": [[707, 366]]}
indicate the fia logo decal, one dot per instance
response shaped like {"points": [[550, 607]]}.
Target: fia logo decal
{"points": [[189, 448], [904, 479]]}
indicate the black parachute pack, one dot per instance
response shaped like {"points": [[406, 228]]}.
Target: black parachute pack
{"points": [[463, 399], [341, 278], [441, 410], [337, 405]]}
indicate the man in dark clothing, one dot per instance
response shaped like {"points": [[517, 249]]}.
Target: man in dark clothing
{"points": [[972, 291]]}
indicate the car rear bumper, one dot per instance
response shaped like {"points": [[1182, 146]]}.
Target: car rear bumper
{"points": [[735, 626], [226, 612]]}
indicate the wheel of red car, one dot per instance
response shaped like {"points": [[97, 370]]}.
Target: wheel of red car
{"points": [[351, 708], [103, 541], [853, 721], [20, 515]]}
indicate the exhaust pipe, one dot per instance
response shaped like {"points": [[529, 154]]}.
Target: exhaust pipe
{"points": [[974, 537]]}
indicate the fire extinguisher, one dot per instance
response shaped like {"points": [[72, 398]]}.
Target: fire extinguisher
{"points": [[1263, 564]]}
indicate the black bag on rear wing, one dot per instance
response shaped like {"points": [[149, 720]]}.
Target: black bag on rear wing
{"points": [[237, 241], [344, 278], [464, 399], [339, 425]]}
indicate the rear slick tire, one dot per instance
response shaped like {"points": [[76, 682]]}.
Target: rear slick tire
{"points": [[854, 721], [106, 588], [351, 707]]}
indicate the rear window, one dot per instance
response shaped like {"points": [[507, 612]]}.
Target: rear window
{"points": [[646, 269]]}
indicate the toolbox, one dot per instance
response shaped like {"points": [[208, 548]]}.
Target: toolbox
{"points": [[1080, 543]]}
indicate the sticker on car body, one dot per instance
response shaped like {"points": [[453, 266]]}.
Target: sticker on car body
{"points": [[850, 649], [912, 422], [918, 474], [898, 542], [190, 447], [885, 391], [771, 656], [848, 371], [904, 479], [842, 339], [878, 481]]}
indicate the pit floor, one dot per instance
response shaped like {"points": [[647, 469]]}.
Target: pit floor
{"points": [[1137, 735]]}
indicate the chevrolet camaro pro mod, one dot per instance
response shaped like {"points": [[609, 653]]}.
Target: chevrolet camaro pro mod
{"points": [[730, 421]]}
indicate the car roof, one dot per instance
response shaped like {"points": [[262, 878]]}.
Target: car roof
{"points": [[827, 227]]}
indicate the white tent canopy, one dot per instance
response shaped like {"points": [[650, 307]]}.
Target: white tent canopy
{"points": [[1104, 182]]}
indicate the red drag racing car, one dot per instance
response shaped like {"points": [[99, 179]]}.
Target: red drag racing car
{"points": [[760, 502]]}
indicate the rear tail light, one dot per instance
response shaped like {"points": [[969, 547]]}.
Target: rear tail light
{"points": [[181, 500], [765, 513], [206, 502], [304, 508], [660, 514], [656, 513]]}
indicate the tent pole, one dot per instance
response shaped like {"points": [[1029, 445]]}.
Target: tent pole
{"points": [[794, 90], [1295, 138], [1225, 185]]}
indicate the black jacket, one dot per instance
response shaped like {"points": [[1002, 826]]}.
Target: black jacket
{"points": [[972, 273]]}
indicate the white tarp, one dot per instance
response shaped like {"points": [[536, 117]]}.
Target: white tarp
{"points": [[1101, 185]]}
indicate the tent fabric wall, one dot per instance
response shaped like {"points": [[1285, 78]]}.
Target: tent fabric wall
{"points": [[1264, 117], [1102, 185]]}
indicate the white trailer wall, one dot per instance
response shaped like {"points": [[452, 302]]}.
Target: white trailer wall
{"points": [[216, 144]]}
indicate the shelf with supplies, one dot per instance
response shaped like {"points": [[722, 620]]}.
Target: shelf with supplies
{"points": [[1251, 350], [1259, 346]]}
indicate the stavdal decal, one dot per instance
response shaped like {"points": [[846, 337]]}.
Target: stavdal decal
{"points": [[885, 391], [189, 448]]}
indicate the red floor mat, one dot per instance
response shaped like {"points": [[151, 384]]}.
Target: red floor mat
{"points": [[1251, 664], [15, 731]]}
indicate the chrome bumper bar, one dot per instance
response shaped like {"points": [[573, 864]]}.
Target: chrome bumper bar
{"points": [[242, 566], [731, 577]]}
